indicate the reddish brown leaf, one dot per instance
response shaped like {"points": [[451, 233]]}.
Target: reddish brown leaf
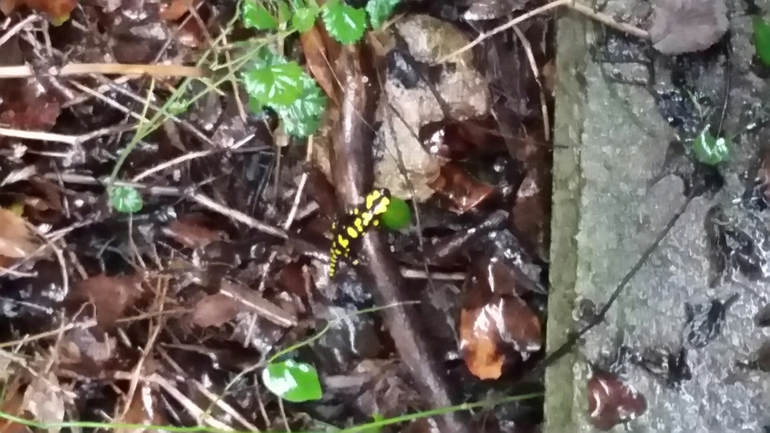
{"points": [[191, 232], [12, 405], [318, 61], [58, 10], [479, 345], [174, 9], [460, 189], [494, 320], [111, 296], [15, 237], [39, 114], [215, 310], [611, 401]]}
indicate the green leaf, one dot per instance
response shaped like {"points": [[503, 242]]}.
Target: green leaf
{"points": [[304, 18], [398, 214], [279, 84], [303, 117], [711, 150], [125, 199], [344, 22], [257, 16], [292, 381], [761, 39], [380, 10]]}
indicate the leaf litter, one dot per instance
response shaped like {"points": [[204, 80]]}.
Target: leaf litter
{"points": [[214, 259]]}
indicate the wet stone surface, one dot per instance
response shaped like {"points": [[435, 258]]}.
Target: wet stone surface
{"points": [[691, 316]]}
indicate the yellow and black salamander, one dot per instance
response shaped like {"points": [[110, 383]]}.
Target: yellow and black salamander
{"points": [[348, 230]]}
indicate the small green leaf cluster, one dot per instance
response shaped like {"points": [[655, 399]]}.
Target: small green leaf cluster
{"points": [[286, 88], [709, 149], [283, 85]]}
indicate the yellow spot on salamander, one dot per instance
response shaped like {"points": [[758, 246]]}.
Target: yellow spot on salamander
{"points": [[352, 232]]}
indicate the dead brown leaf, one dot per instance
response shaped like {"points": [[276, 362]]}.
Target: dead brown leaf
{"points": [[462, 191], [687, 26], [215, 310], [143, 410], [191, 232], [12, 404], [174, 9], [43, 399], [318, 61], [16, 240], [58, 10], [111, 296]]}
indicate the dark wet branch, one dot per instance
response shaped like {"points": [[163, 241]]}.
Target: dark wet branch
{"points": [[353, 170]]}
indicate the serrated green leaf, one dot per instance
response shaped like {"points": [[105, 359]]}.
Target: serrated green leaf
{"points": [[303, 117], [257, 16], [344, 22], [380, 10], [709, 149], [761, 39], [255, 106], [292, 381], [125, 199], [304, 18], [279, 84]]}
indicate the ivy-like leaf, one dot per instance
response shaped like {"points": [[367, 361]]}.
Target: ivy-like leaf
{"points": [[278, 84], [380, 10], [711, 150], [292, 381], [761, 39], [257, 16], [344, 22], [303, 117], [304, 18], [125, 199]]}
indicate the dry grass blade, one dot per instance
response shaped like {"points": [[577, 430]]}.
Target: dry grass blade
{"points": [[107, 69]]}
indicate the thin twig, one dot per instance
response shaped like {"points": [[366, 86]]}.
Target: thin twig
{"points": [[25, 71], [17, 28], [183, 158], [533, 65], [572, 4], [72, 140]]}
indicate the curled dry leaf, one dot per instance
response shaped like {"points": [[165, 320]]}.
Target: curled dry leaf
{"points": [[687, 26], [43, 400], [215, 310], [111, 296], [495, 321], [611, 401], [38, 114], [15, 237]]}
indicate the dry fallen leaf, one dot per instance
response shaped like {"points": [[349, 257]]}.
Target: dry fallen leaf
{"points": [[12, 404], [215, 310], [43, 400], [58, 10], [612, 402], [191, 232], [174, 9], [318, 61], [15, 237], [111, 296], [143, 409], [687, 26]]}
